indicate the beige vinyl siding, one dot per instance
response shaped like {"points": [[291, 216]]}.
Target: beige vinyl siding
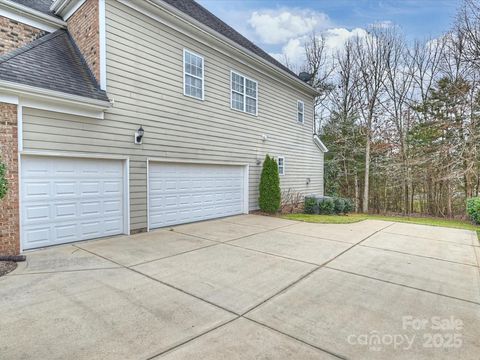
{"points": [[145, 79]]}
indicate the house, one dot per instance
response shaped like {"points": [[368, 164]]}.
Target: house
{"points": [[121, 116]]}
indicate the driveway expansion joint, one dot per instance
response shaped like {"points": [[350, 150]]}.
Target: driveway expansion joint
{"points": [[315, 269], [64, 271], [402, 285], [423, 256], [426, 238]]}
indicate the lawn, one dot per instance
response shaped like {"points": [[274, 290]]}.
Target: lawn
{"points": [[353, 218]]}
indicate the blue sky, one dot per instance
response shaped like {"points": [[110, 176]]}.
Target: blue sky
{"points": [[280, 26]]}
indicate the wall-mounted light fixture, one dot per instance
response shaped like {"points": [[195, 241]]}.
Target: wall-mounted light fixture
{"points": [[139, 135], [308, 181], [264, 137]]}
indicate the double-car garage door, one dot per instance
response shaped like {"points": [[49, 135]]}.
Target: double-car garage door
{"points": [[181, 193], [70, 199]]}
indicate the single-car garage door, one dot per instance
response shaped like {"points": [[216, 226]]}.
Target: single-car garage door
{"points": [[181, 193], [70, 199]]}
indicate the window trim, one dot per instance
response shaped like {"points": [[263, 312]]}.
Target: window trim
{"points": [[245, 78], [185, 50], [303, 112], [283, 165]]}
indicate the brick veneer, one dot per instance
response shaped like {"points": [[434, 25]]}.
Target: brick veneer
{"points": [[14, 34], [9, 205], [84, 28]]}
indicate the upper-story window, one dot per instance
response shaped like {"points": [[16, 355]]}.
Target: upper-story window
{"points": [[192, 74], [281, 165], [244, 94], [300, 111]]}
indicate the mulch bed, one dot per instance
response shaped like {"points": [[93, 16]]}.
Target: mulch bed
{"points": [[7, 266]]}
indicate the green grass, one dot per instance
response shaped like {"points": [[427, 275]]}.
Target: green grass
{"points": [[353, 218]]}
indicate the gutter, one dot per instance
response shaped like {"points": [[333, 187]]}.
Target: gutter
{"points": [[38, 15], [179, 14], [319, 143], [66, 8], [46, 94]]}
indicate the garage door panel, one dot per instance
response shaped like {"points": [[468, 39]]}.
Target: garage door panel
{"points": [[74, 199], [181, 193]]}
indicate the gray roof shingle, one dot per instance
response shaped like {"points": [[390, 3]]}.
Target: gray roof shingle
{"points": [[39, 5], [52, 62], [204, 16]]}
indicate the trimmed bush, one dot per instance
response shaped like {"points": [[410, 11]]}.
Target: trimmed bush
{"points": [[3, 181], [473, 209], [310, 205], [326, 206], [349, 207], [270, 195], [339, 205]]}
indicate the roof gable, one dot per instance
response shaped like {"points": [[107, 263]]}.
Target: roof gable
{"points": [[52, 62]]}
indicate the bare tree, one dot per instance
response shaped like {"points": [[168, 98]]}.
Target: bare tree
{"points": [[370, 53], [399, 89], [468, 26]]}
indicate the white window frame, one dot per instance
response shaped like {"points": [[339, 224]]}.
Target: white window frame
{"points": [[283, 165], [303, 112], [245, 78], [194, 76]]}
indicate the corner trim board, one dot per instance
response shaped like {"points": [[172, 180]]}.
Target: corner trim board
{"points": [[103, 44]]}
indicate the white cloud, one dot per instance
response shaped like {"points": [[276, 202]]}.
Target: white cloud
{"points": [[279, 26], [385, 24], [335, 38]]}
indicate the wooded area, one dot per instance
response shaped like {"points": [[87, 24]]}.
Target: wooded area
{"points": [[402, 119]]}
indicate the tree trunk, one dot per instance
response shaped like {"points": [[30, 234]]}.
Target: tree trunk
{"points": [[356, 191], [367, 176]]}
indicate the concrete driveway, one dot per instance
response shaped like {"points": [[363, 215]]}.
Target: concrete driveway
{"points": [[249, 287]]}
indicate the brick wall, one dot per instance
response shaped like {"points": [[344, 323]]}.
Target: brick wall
{"points": [[14, 34], [84, 28], [9, 206]]}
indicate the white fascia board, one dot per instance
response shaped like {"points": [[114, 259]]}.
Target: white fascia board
{"points": [[45, 99], [320, 144], [29, 16], [8, 99], [66, 8], [147, 7]]}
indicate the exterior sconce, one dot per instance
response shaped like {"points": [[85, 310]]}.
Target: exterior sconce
{"points": [[264, 137], [139, 135], [308, 181]]}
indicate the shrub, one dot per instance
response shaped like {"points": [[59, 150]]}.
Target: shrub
{"points": [[326, 206], [292, 202], [310, 205], [338, 205], [270, 195], [473, 209], [3, 181], [348, 206]]}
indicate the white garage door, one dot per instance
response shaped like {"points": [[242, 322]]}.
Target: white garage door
{"points": [[182, 193], [70, 199]]}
